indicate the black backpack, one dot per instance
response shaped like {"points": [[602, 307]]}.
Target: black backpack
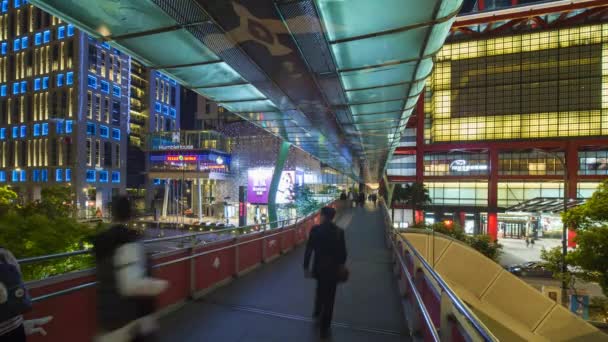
{"points": [[18, 299]]}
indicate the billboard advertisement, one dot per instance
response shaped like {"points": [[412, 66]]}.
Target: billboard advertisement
{"points": [[258, 185]]}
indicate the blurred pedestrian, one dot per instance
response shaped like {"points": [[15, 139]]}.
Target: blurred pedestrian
{"points": [[527, 242], [126, 291], [14, 302], [328, 246]]}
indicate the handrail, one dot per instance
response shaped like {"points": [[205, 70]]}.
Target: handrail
{"points": [[425, 314], [458, 304]]}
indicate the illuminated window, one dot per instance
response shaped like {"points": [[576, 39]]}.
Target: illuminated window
{"points": [[36, 175], [116, 90], [70, 30], [4, 6], [15, 132], [3, 90], [16, 44], [157, 107], [38, 38], [69, 79], [46, 37], [17, 3], [2, 133], [103, 176], [91, 176], [23, 131], [165, 110], [115, 176], [92, 81], [15, 88], [68, 126], [115, 134], [24, 42], [104, 131], [173, 112], [68, 175], [45, 129], [44, 175], [2, 176], [60, 79], [4, 45], [59, 175], [105, 87], [36, 131], [23, 87], [15, 176], [61, 32], [90, 128], [59, 128], [45, 82], [37, 84], [23, 176]]}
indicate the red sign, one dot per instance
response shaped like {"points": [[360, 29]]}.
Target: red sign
{"points": [[181, 158]]}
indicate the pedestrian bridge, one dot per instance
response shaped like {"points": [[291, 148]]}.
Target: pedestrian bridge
{"points": [[404, 286]]}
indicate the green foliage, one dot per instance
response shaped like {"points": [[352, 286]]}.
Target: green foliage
{"points": [[416, 195], [481, 243], [593, 213], [42, 228], [304, 202], [7, 196]]}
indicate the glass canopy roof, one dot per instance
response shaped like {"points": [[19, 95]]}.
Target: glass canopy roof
{"points": [[381, 50]]}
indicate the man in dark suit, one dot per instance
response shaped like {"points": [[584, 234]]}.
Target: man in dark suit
{"points": [[326, 242]]}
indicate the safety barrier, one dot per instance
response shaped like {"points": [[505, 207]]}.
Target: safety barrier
{"points": [[433, 310], [192, 272]]}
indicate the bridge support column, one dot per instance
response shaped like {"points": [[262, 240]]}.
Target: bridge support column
{"points": [[274, 184]]}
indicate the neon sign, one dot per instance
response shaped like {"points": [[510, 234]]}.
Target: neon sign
{"points": [[460, 165], [181, 158]]}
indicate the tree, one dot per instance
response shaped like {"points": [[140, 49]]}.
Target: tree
{"points": [[304, 202], [416, 195], [7, 199]]}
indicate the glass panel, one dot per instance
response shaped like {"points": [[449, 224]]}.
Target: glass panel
{"points": [[437, 37], [372, 51], [205, 75], [233, 93], [378, 94], [250, 106], [390, 106], [424, 69], [187, 49], [377, 117], [352, 18], [448, 7], [111, 17], [378, 76]]}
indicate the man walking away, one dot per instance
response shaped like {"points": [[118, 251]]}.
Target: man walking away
{"points": [[125, 293], [326, 242]]}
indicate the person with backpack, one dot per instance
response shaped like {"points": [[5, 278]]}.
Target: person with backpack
{"points": [[326, 242], [14, 302], [126, 291]]}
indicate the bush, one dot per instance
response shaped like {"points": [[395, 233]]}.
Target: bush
{"points": [[481, 243]]}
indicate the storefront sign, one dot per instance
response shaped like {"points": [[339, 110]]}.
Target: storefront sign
{"points": [[461, 165], [258, 185], [181, 158], [175, 147]]}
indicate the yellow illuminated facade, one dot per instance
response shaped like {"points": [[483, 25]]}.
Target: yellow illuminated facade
{"points": [[537, 85]]}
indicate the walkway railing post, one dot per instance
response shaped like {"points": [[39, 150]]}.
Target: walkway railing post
{"points": [[445, 313], [192, 273], [264, 248], [237, 258]]}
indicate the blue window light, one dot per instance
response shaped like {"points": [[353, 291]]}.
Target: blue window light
{"points": [[68, 175], [45, 82], [44, 175], [59, 127], [116, 90], [157, 107], [70, 30], [23, 131], [69, 78], [68, 126], [16, 44], [23, 176], [24, 42], [23, 87], [115, 134], [104, 86], [4, 6], [46, 36], [15, 176], [36, 175], [115, 176], [91, 176], [4, 46], [17, 3], [37, 82], [156, 181], [45, 129], [15, 132], [90, 128], [103, 176], [15, 88], [165, 110], [105, 45], [3, 90], [104, 131], [2, 133], [36, 132], [2, 176], [92, 81], [173, 112], [61, 32], [59, 175], [38, 38], [60, 79]]}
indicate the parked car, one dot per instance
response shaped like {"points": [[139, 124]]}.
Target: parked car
{"points": [[530, 269]]}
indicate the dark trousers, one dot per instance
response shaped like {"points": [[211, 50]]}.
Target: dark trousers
{"points": [[16, 335], [324, 302]]}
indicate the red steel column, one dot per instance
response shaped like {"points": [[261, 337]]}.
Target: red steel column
{"points": [[463, 218], [481, 5], [493, 195], [571, 159]]}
